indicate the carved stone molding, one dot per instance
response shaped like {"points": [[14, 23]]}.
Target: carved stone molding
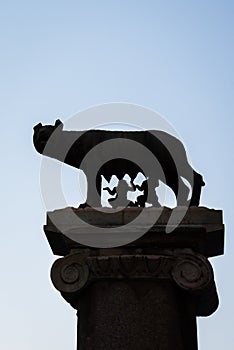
{"points": [[189, 271], [201, 229], [143, 295], [131, 266]]}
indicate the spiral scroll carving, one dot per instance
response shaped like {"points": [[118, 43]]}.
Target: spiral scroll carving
{"points": [[69, 275], [193, 273]]}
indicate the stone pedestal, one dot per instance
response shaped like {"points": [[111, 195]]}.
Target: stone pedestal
{"points": [[146, 294]]}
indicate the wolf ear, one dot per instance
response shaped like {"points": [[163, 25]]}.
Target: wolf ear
{"points": [[37, 126], [58, 123]]}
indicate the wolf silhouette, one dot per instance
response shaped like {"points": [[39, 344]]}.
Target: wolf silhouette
{"points": [[73, 147]]}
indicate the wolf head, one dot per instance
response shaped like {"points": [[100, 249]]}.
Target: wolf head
{"points": [[42, 133]]}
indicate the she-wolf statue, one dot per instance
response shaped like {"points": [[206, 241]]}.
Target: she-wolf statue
{"points": [[73, 147]]}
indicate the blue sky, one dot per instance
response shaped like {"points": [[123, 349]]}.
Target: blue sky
{"points": [[59, 57]]}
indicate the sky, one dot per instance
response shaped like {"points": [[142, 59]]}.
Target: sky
{"points": [[60, 57]]}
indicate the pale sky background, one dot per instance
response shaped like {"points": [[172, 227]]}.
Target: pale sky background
{"points": [[58, 57]]}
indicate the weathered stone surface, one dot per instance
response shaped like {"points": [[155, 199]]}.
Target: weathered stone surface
{"points": [[123, 315], [107, 216], [190, 271], [145, 295], [201, 229], [136, 301]]}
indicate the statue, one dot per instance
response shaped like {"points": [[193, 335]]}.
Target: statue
{"points": [[120, 193], [71, 147]]}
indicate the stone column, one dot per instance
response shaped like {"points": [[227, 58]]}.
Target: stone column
{"points": [[144, 295]]}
